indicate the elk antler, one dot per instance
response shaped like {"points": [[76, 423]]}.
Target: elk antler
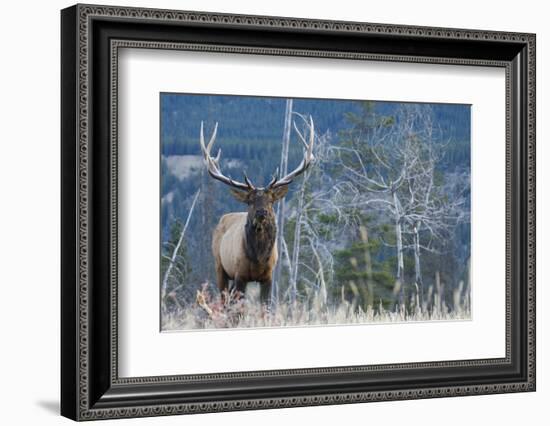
{"points": [[306, 161], [213, 164]]}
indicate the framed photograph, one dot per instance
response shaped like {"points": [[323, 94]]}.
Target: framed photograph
{"points": [[263, 212]]}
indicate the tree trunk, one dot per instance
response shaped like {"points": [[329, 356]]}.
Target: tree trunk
{"points": [[322, 293], [281, 206], [296, 248], [368, 266], [399, 244], [417, 272]]}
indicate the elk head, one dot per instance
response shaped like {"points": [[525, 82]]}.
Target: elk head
{"points": [[259, 200]]}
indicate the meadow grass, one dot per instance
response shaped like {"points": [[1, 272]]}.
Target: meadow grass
{"points": [[247, 312]]}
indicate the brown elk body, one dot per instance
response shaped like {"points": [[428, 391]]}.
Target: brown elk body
{"points": [[244, 244]]}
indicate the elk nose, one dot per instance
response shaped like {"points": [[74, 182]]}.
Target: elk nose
{"points": [[261, 213]]}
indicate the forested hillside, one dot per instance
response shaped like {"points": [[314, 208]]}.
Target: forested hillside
{"points": [[252, 126]]}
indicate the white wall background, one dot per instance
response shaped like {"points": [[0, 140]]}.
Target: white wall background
{"points": [[29, 212]]}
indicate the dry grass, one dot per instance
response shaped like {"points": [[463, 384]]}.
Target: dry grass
{"points": [[210, 313]]}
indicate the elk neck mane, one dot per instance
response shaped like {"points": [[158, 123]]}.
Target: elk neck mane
{"points": [[259, 240]]}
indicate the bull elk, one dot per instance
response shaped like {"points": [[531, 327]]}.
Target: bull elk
{"points": [[244, 244]]}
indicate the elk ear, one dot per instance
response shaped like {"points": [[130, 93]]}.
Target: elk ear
{"points": [[239, 195], [279, 192]]}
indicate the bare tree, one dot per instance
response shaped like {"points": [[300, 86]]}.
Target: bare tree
{"points": [[434, 211], [390, 159], [312, 251], [391, 169], [281, 244], [293, 279]]}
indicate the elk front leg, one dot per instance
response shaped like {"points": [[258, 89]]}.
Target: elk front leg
{"points": [[236, 310], [222, 281], [265, 293], [239, 287]]}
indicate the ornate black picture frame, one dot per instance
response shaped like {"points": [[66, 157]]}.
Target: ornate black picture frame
{"points": [[90, 386]]}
